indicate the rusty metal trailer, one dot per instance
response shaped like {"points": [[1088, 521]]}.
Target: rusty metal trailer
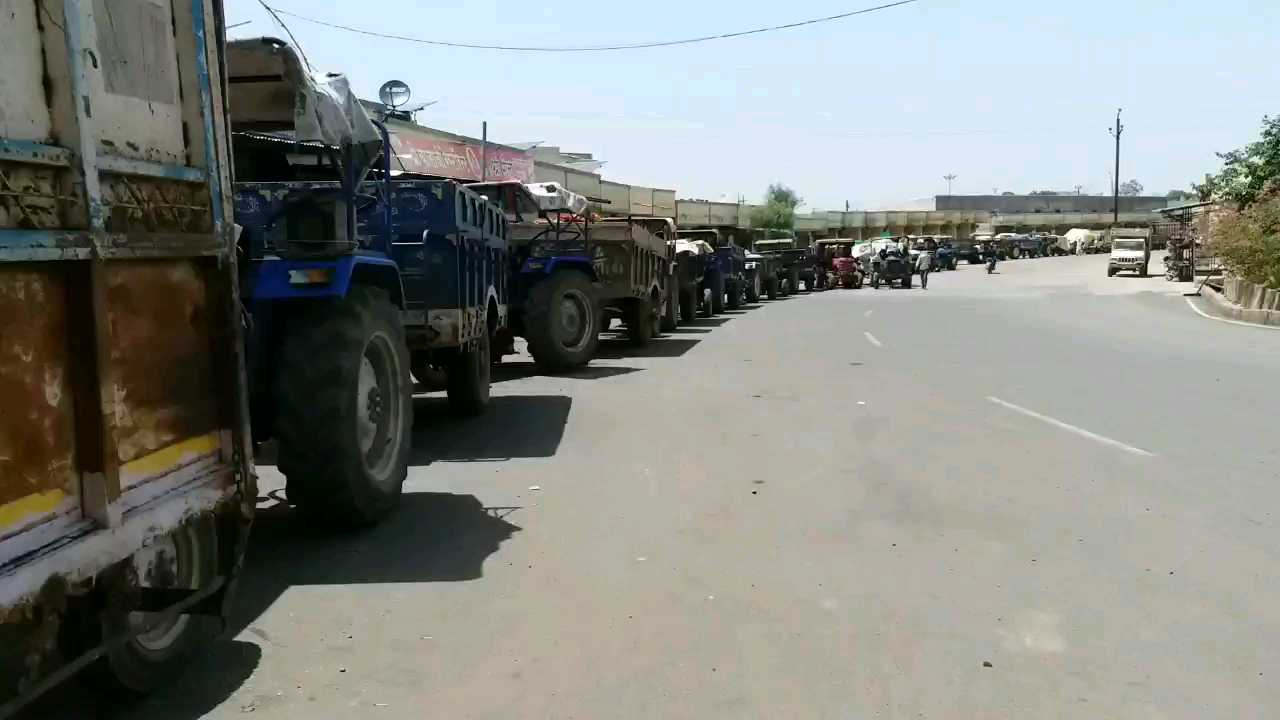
{"points": [[126, 487]]}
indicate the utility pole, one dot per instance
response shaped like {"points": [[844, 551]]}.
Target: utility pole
{"points": [[1078, 189], [1115, 180], [484, 151], [949, 177]]}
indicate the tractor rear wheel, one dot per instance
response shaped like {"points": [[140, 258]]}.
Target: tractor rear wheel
{"points": [[717, 296], [753, 289], [344, 408], [561, 321], [468, 378], [771, 288]]}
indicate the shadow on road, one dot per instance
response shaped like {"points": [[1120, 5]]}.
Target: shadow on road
{"points": [[686, 330], [518, 369], [707, 322], [432, 537], [515, 426], [661, 348]]}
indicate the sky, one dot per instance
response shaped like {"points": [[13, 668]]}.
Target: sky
{"points": [[873, 110]]}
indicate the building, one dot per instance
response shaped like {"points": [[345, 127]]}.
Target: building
{"points": [[1053, 213]]}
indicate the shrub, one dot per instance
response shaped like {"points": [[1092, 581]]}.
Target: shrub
{"points": [[1248, 241]]}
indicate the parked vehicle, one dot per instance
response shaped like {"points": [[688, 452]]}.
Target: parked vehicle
{"points": [[574, 274], [761, 277], [977, 248], [1130, 250], [724, 282], [889, 267], [791, 264], [692, 259], [946, 257], [1057, 245], [355, 276], [126, 480], [835, 264]]}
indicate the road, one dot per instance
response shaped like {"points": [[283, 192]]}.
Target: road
{"points": [[1039, 493]]}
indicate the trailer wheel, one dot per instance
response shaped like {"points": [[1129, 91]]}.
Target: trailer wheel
{"points": [[562, 321], [639, 320], [669, 320], [185, 559], [771, 288], [688, 304], [468, 378], [344, 407], [753, 289]]}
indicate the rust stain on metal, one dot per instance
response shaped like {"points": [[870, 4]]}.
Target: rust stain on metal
{"points": [[37, 435], [160, 355]]}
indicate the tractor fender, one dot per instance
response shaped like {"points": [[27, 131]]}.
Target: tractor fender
{"points": [[292, 279]]}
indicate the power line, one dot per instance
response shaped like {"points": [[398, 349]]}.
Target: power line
{"points": [[595, 48]]}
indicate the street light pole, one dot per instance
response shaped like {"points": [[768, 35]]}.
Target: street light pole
{"points": [[949, 177], [1115, 180]]}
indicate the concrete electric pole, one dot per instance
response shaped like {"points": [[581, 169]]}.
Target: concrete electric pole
{"points": [[1115, 180], [949, 177]]}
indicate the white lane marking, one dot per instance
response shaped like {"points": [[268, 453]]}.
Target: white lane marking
{"points": [[1070, 428], [866, 314], [1204, 314], [872, 339]]}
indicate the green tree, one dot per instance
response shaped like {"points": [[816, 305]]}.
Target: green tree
{"points": [[1248, 173], [1131, 187], [779, 209]]}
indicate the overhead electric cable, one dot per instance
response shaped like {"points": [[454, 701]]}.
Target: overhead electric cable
{"points": [[592, 48]]}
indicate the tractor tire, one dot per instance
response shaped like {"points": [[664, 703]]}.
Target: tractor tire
{"points": [[149, 660], [468, 379], [640, 318], [717, 296], [753, 289], [771, 288], [344, 409], [669, 320], [688, 304], [794, 278], [734, 290], [562, 323]]}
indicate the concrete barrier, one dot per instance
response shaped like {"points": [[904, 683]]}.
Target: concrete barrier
{"points": [[1250, 296], [1222, 306]]}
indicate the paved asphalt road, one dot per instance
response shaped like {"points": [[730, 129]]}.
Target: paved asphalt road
{"points": [[1039, 493]]}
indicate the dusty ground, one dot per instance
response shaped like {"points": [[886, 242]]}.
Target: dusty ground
{"points": [[1040, 493]]}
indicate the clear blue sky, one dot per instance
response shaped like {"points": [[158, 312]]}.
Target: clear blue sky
{"points": [[875, 109]]}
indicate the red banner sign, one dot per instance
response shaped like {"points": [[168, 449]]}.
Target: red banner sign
{"points": [[456, 159]]}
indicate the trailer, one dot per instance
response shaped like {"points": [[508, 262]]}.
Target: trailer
{"points": [[126, 483]]}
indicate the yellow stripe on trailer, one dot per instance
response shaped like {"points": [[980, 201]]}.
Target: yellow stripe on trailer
{"points": [[12, 513], [168, 458]]}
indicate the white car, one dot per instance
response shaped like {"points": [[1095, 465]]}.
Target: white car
{"points": [[1129, 255]]}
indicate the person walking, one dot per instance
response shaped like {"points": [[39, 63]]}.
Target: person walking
{"points": [[924, 263]]}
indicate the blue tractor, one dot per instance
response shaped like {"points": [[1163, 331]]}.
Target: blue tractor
{"points": [[353, 277]]}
